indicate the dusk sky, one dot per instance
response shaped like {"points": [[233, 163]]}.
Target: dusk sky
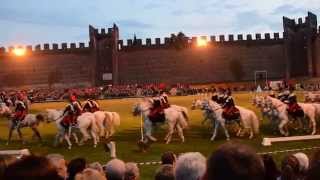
{"points": [[55, 21]]}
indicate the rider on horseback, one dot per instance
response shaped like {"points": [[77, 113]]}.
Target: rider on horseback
{"points": [[157, 111], [230, 112], [293, 108], [20, 110], [283, 95], [71, 112], [91, 106]]}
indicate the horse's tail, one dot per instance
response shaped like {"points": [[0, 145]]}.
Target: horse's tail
{"points": [[115, 119], [183, 122], [254, 123], [185, 113]]}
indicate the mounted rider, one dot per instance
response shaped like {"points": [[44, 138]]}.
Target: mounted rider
{"points": [[71, 112], [157, 111], [293, 107], [90, 105], [283, 94], [222, 97], [230, 112], [21, 110]]}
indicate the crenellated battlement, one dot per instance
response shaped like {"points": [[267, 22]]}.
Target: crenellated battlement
{"points": [[50, 48], [230, 39]]}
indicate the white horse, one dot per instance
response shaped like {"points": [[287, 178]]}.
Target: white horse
{"points": [[215, 116], [31, 120], [269, 113], [308, 109], [174, 118], [86, 123], [106, 122], [4, 110], [248, 119]]}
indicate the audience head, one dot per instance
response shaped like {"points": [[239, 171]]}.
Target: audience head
{"points": [[58, 161], [271, 170], [5, 161], [234, 161], [97, 166], [190, 166], [31, 167], [314, 170], [290, 168], [168, 158], [303, 162], [76, 166], [132, 171], [165, 172], [115, 169], [90, 174]]}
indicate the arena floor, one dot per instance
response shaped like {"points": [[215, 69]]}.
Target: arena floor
{"points": [[197, 136]]}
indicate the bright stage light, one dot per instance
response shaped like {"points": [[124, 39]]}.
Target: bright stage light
{"points": [[19, 51], [201, 42]]}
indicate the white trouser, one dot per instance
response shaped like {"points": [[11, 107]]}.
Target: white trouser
{"points": [[147, 127]]}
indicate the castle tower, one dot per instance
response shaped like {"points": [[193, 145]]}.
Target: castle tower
{"points": [[104, 46], [299, 42]]}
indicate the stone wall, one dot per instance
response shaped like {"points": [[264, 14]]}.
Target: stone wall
{"points": [[69, 69], [200, 65]]}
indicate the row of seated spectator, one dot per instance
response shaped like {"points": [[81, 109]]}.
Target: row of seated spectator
{"points": [[116, 91], [231, 161]]}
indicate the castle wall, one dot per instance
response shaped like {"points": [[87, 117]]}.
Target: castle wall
{"points": [[69, 67], [201, 64], [317, 55]]}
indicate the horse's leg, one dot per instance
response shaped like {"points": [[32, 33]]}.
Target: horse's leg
{"points": [[67, 138], [10, 134], [223, 125], [215, 129], [312, 120], [180, 133], [251, 133], [20, 135], [75, 138], [282, 123], [37, 133], [94, 137], [57, 139], [85, 135], [170, 132]]}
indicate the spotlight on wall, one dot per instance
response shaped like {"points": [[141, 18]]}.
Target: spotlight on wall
{"points": [[202, 42], [19, 51]]}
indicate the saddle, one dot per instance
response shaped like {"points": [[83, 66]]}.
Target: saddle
{"points": [[231, 114], [295, 110], [157, 115]]}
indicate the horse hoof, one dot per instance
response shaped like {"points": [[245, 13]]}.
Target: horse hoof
{"points": [[7, 143], [95, 146], [69, 147], [228, 139]]}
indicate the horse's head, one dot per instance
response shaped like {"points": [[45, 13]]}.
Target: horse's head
{"points": [[196, 104]]}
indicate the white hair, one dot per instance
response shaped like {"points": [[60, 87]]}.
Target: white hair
{"points": [[115, 169], [190, 166], [132, 170], [55, 159], [303, 161], [96, 165]]}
